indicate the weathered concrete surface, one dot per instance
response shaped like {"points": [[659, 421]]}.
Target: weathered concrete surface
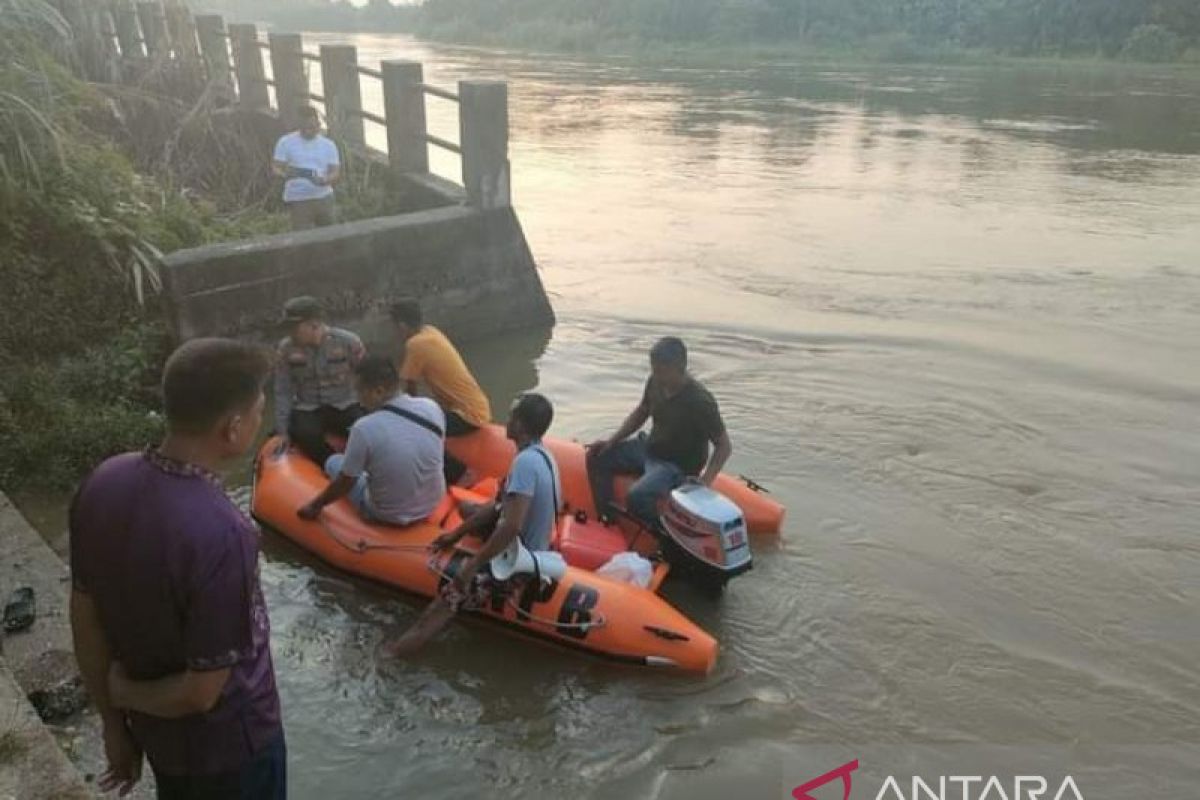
{"points": [[32, 767], [40, 660], [473, 271], [40, 657]]}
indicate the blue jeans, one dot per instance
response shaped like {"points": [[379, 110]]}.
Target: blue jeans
{"points": [[263, 778], [630, 457], [358, 494]]}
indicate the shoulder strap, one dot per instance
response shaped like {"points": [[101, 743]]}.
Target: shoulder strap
{"points": [[553, 478], [417, 419]]}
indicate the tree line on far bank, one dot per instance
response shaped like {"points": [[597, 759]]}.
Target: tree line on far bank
{"points": [[1144, 30]]}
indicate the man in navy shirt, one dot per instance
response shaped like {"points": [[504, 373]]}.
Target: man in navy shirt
{"points": [[170, 628], [685, 421]]}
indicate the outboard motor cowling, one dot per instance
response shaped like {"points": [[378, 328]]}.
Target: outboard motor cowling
{"points": [[705, 535]]}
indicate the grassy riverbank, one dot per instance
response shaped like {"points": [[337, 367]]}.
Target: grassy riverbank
{"points": [[96, 182]]}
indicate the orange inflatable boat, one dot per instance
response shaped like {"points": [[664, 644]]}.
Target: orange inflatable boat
{"points": [[581, 610], [489, 452]]}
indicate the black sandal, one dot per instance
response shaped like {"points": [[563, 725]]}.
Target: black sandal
{"points": [[19, 611]]}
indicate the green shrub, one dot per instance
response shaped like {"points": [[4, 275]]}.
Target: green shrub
{"points": [[58, 420]]}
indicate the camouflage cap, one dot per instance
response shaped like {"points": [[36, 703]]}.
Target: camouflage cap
{"points": [[302, 309]]}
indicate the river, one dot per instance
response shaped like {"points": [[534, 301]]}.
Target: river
{"points": [[952, 316]]}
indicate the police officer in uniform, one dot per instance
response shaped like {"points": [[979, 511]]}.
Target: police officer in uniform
{"points": [[314, 379]]}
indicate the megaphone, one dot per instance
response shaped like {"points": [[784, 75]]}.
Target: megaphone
{"points": [[517, 559]]}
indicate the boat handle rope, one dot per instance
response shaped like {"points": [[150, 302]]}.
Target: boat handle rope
{"points": [[754, 485], [363, 546]]}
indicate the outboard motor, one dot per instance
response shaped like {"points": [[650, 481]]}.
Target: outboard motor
{"points": [[704, 536]]}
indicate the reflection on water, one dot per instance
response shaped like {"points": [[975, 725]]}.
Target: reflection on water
{"points": [[951, 316]]}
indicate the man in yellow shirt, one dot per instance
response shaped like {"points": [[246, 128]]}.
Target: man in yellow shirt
{"points": [[430, 358]]}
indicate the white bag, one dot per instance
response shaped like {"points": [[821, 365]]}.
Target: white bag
{"points": [[628, 568]]}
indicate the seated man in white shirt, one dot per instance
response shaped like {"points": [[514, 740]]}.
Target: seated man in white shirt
{"points": [[311, 166], [392, 467]]}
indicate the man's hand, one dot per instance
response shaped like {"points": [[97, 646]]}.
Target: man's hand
{"points": [[309, 511], [445, 541], [599, 448], [466, 574], [123, 755]]}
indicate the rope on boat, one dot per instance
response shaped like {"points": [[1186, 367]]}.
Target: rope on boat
{"points": [[363, 546]]}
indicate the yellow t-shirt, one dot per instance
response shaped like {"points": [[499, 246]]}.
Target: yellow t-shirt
{"points": [[430, 358]]}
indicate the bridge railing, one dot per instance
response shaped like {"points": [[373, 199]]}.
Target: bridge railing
{"points": [[117, 38]]}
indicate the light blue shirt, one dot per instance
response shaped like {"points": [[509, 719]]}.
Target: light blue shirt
{"points": [[535, 475], [318, 154]]}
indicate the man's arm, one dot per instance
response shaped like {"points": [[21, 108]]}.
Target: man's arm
{"points": [[179, 695], [283, 397], [336, 490], [333, 174], [94, 657], [632, 424], [92, 653], [722, 450], [512, 517], [279, 160], [358, 350], [482, 519]]}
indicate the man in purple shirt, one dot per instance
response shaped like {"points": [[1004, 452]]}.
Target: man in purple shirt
{"points": [[171, 633]]}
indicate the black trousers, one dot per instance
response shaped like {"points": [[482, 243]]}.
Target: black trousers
{"points": [[454, 469], [308, 429], [263, 778]]}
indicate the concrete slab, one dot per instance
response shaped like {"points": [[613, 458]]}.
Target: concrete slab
{"points": [[40, 662], [32, 767]]}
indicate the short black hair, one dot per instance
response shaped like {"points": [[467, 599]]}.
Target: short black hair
{"points": [[535, 413], [670, 351], [377, 372], [408, 311], [205, 379], [303, 112]]}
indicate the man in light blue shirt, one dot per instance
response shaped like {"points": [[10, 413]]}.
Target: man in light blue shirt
{"points": [[528, 508], [311, 166]]}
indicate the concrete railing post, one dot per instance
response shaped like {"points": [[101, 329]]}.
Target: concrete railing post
{"points": [[128, 34], [154, 29], [247, 58], [404, 109], [183, 34], [87, 40], [214, 48], [291, 82], [110, 47], [483, 136], [343, 96]]}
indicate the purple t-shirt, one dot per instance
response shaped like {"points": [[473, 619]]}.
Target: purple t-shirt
{"points": [[172, 567]]}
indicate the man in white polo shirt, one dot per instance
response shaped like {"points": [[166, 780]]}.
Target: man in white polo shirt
{"points": [[392, 468], [310, 163]]}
